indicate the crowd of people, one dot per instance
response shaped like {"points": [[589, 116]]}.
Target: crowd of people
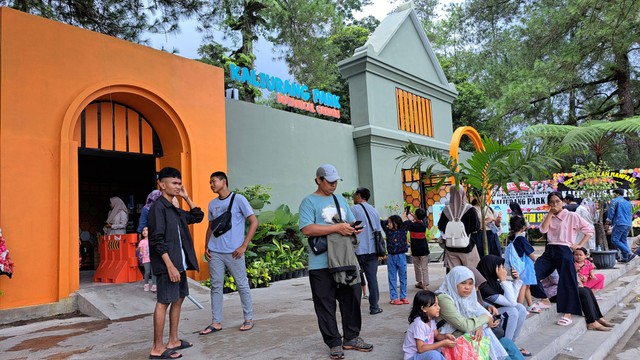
{"points": [[486, 295]]}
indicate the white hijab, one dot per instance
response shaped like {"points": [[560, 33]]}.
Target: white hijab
{"points": [[469, 307]]}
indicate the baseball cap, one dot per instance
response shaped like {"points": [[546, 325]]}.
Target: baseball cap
{"points": [[329, 172]]}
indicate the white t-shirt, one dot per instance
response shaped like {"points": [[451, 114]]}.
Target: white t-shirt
{"points": [[418, 330]]}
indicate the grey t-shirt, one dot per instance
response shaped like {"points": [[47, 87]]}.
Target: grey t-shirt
{"points": [[232, 239]]}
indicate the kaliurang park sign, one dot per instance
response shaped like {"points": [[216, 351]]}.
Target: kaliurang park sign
{"points": [[289, 93]]}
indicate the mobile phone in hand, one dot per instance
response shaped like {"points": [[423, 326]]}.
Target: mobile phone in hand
{"points": [[356, 223]]}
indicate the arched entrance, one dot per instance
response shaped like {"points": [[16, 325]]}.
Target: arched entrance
{"points": [[117, 155], [124, 124]]}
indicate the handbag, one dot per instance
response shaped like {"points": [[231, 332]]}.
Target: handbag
{"points": [[482, 347], [319, 244], [381, 248], [462, 351], [222, 223], [139, 255]]}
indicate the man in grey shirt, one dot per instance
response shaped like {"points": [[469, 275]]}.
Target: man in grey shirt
{"points": [[366, 250]]}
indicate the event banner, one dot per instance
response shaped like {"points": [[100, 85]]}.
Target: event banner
{"points": [[532, 198]]}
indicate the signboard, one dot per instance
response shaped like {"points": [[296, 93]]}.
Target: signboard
{"points": [[532, 199], [289, 93]]}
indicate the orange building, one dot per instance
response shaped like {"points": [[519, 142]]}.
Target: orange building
{"points": [[78, 109]]}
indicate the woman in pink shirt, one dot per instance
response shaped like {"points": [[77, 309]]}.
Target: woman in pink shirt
{"points": [[561, 227]]}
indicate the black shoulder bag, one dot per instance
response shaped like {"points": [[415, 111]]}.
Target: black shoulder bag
{"points": [[222, 223], [381, 248], [319, 244]]}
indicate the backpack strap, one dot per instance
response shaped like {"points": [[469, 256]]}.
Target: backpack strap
{"points": [[233, 196], [335, 199], [368, 218]]}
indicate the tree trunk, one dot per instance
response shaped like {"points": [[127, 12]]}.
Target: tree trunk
{"points": [[601, 237], [625, 98]]}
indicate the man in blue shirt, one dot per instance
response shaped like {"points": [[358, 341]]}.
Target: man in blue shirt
{"points": [[366, 250], [317, 212], [227, 251], [619, 216]]}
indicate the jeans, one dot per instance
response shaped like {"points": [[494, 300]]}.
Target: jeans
{"points": [[397, 267], [238, 270], [428, 355], [513, 318], [369, 265], [619, 237]]}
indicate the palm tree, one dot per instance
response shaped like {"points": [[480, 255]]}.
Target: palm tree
{"points": [[488, 168], [596, 136]]}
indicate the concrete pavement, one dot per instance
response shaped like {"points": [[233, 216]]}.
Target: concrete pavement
{"points": [[285, 325]]}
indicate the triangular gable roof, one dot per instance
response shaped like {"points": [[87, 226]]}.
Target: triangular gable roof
{"points": [[388, 31]]}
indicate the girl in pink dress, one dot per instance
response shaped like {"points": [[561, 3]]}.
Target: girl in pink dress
{"points": [[584, 268]]}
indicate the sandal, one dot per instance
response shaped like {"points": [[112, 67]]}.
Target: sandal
{"points": [[604, 322], [543, 306], [183, 345], [395, 302], [167, 354], [596, 326], [525, 352], [535, 309], [209, 330], [563, 321], [246, 325]]}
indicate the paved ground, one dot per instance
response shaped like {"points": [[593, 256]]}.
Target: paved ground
{"points": [[286, 327]]}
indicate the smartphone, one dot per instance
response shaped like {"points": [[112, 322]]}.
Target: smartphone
{"points": [[360, 227], [496, 317], [356, 223]]}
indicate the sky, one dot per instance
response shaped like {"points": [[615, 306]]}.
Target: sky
{"points": [[188, 40]]}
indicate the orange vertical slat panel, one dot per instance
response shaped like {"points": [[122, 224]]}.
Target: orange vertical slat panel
{"points": [[134, 132], [399, 107], [91, 136], [421, 122], [147, 138], [423, 116], [403, 110], [407, 115], [409, 112], [106, 121], [121, 128], [429, 118], [416, 119]]}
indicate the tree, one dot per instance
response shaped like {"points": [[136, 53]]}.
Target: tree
{"points": [[591, 138], [493, 166], [552, 61], [124, 19]]}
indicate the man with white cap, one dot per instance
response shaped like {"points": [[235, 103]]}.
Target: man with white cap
{"points": [[317, 213]]}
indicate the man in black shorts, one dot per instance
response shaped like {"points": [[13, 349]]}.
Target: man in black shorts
{"points": [[172, 254]]}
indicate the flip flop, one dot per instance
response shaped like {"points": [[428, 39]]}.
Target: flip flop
{"points": [[543, 306], [183, 345], [211, 330], [525, 352], [248, 325], [563, 321], [166, 355]]}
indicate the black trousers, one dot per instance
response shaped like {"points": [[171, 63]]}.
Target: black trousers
{"points": [[369, 266], [325, 292], [589, 305], [559, 257]]}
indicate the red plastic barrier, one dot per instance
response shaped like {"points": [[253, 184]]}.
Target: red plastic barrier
{"points": [[118, 261]]}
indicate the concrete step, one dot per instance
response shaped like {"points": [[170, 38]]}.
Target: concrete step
{"points": [[545, 339], [596, 345], [613, 278]]}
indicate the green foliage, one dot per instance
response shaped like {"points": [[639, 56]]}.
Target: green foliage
{"points": [[124, 19], [597, 138], [257, 195]]}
